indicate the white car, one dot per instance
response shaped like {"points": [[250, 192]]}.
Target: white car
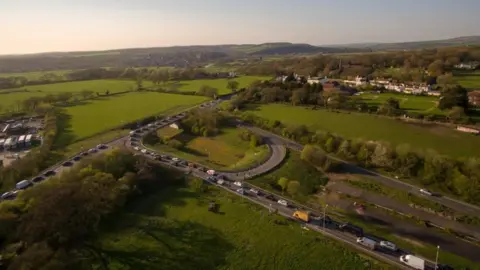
{"points": [[254, 191], [136, 148], [175, 159], [144, 151], [220, 182], [426, 192], [238, 184], [241, 191], [283, 202], [388, 245]]}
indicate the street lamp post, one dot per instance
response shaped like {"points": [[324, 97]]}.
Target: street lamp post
{"points": [[436, 258], [324, 215]]}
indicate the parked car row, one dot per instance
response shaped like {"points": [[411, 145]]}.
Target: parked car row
{"points": [[25, 184]]}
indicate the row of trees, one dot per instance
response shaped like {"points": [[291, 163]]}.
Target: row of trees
{"points": [[460, 177], [254, 138], [56, 225], [415, 65]]}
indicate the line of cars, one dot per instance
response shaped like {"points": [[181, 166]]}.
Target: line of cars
{"points": [[367, 241], [25, 184]]}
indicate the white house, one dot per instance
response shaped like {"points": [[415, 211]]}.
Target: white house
{"points": [[470, 65], [317, 80], [357, 82]]}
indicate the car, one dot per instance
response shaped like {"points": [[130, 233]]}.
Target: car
{"points": [[144, 151], [49, 173], [352, 229], [270, 197], [102, 146], [38, 179], [9, 195], [84, 154], [191, 165], [183, 163], [444, 267], [175, 163], [136, 148], [24, 184], [254, 191], [77, 158], [282, 202], [67, 164], [238, 184], [93, 150], [220, 181], [388, 245], [175, 159], [426, 192], [241, 191]]}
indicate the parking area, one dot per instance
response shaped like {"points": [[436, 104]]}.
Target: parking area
{"points": [[18, 136]]}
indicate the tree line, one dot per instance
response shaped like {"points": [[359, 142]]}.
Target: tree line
{"points": [[460, 177], [56, 225], [415, 65]]}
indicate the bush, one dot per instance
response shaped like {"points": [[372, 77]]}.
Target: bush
{"points": [[175, 144]]}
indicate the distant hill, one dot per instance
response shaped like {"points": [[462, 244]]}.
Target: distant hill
{"points": [[415, 45]]}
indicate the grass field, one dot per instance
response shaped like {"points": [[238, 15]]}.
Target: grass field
{"points": [[91, 142], [351, 125], [220, 84], [224, 151], [411, 103], [10, 100], [99, 115], [468, 79], [172, 229], [33, 76]]}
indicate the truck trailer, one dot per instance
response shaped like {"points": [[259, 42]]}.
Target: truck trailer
{"points": [[302, 215], [367, 242], [413, 261]]}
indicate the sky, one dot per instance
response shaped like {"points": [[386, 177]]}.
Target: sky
{"points": [[31, 26]]}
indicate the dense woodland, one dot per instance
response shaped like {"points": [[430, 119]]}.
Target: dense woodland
{"points": [[56, 225]]}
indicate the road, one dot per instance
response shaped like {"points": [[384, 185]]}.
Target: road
{"points": [[454, 204]]}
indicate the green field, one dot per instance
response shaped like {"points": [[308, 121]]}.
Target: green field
{"points": [[35, 75], [224, 151], [468, 79], [410, 103], [172, 229], [352, 125], [105, 113], [220, 84], [10, 100]]}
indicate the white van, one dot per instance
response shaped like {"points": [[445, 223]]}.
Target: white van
{"points": [[283, 202], [426, 192], [23, 184], [367, 242], [238, 184]]}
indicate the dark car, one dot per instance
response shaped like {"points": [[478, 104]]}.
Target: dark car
{"points": [[84, 154], [49, 173], [270, 197], [67, 164], [77, 158], [102, 146], [38, 179], [352, 229], [444, 267]]}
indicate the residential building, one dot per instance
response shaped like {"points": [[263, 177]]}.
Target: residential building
{"points": [[357, 82], [474, 97], [317, 80], [468, 65], [468, 130]]}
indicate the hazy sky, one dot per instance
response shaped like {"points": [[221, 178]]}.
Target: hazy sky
{"points": [[66, 25]]}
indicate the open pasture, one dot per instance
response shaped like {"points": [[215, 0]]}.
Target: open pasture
{"points": [[105, 113], [410, 103], [371, 127], [220, 84]]}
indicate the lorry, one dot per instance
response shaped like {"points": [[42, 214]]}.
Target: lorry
{"points": [[302, 215], [413, 261], [352, 229], [367, 242]]}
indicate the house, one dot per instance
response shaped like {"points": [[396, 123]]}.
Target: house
{"points": [[474, 97], [468, 130], [469, 65], [357, 82], [317, 80]]}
